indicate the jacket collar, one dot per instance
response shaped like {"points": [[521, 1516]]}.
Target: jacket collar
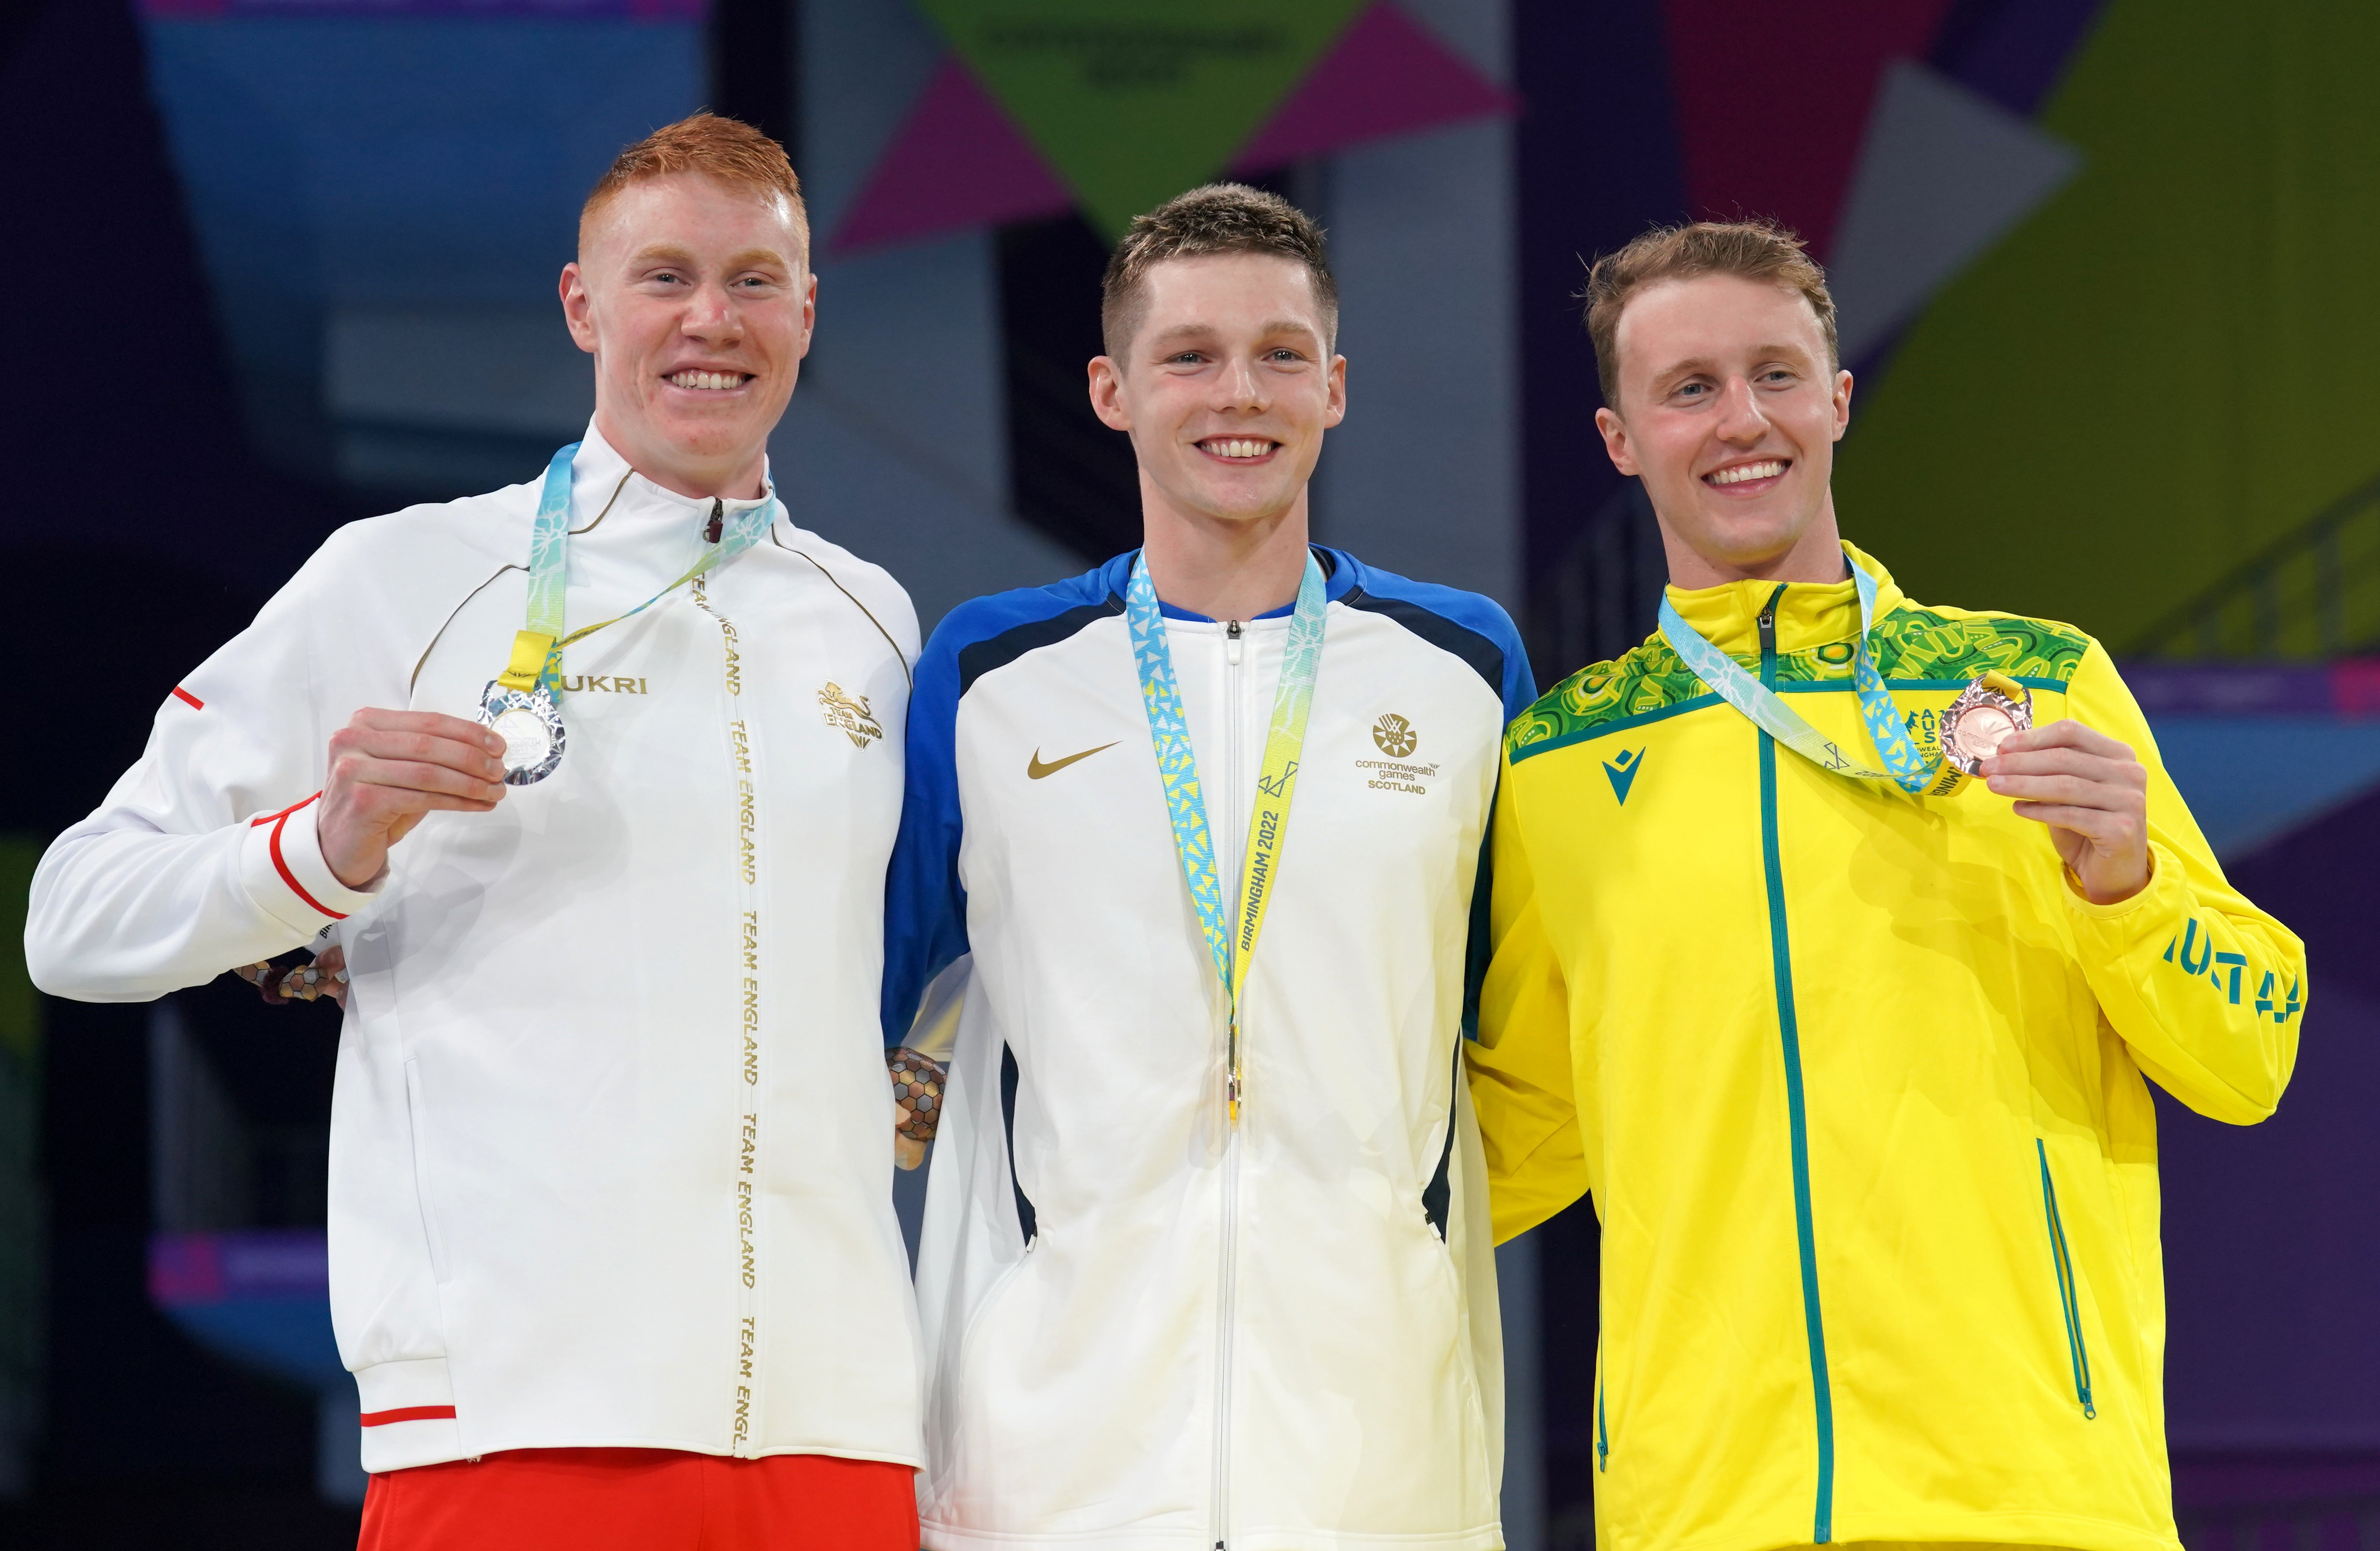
{"points": [[1339, 578], [1808, 615], [602, 485]]}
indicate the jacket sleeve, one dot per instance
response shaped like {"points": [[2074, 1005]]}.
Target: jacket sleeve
{"points": [[924, 907], [1530, 1088], [204, 855], [2204, 987]]}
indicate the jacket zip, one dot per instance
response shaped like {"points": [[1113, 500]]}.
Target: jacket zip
{"points": [[1602, 1429], [2070, 1296], [742, 758], [1789, 1032], [1228, 1269]]}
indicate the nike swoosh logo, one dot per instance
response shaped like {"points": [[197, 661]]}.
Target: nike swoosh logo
{"points": [[1034, 770]]}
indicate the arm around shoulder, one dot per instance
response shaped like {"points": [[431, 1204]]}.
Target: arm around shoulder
{"points": [[1525, 1077]]}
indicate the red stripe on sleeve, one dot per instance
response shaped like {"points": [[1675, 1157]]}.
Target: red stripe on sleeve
{"points": [[271, 817], [189, 699], [273, 842], [408, 1413]]}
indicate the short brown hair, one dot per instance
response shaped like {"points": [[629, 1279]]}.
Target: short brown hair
{"points": [[1218, 218], [1758, 249], [724, 148]]}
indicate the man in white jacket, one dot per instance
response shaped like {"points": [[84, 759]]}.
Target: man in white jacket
{"points": [[593, 781], [1206, 1257]]}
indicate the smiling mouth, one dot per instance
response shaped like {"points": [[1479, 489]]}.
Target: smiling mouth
{"points": [[708, 381], [1238, 449], [1746, 473]]}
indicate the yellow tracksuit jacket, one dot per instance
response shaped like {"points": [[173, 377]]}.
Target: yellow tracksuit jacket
{"points": [[1855, 1079]]}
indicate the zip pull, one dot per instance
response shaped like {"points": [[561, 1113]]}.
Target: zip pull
{"points": [[718, 520], [1231, 643]]}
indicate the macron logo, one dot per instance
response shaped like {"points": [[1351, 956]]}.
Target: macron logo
{"points": [[1622, 771]]}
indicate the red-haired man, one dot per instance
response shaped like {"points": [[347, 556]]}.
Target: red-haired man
{"points": [[593, 781]]}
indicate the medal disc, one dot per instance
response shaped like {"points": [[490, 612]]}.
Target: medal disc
{"points": [[1978, 722], [531, 727]]}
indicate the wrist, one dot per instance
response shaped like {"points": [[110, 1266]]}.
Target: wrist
{"points": [[2106, 887], [286, 872]]}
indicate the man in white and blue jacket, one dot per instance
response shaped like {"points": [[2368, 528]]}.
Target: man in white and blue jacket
{"points": [[1200, 1269]]}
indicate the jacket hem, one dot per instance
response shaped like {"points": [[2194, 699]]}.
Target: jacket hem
{"points": [[2071, 1531], [939, 1535], [439, 1442]]}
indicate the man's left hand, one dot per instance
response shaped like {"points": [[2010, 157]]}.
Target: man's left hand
{"points": [[2091, 793]]}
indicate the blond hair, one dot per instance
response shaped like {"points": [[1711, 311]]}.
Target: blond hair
{"points": [[1758, 249]]}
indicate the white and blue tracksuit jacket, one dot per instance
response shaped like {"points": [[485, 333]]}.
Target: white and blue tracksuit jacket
{"points": [[1146, 1327]]}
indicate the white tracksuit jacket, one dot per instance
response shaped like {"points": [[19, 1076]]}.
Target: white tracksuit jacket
{"points": [[1146, 1330], [609, 1162]]}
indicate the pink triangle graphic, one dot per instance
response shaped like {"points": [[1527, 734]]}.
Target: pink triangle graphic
{"points": [[1786, 153], [959, 160], [1387, 75]]}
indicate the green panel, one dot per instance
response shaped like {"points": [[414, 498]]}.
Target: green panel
{"points": [[1134, 101], [2167, 367]]}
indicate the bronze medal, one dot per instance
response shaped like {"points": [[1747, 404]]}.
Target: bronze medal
{"points": [[1988, 712]]}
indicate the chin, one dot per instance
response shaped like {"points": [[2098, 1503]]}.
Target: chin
{"points": [[1239, 503]]}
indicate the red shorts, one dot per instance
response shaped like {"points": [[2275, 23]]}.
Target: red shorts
{"points": [[642, 1499]]}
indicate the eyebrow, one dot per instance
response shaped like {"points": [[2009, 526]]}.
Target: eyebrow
{"points": [[1692, 364], [670, 253], [1272, 326]]}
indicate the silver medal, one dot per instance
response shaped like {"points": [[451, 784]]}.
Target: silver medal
{"points": [[530, 725]]}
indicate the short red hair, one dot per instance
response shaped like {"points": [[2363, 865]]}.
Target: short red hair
{"points": [[733, 152]]}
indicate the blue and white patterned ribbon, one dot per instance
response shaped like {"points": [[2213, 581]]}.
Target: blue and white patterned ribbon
{"points": [[549, 564], [1905, 766], [1231, 943]]}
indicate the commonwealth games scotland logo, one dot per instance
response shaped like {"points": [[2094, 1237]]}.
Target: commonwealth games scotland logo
{"points": [[1395, 735]]}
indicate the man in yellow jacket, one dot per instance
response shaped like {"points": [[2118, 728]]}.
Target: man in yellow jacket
{"points": [[1849, 1049]]}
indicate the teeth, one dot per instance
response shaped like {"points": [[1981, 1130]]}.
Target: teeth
{"points": [[1237, 447], [717, 379], [1738, 475]]}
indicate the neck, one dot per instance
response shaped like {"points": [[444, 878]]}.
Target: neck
{"points": [[1816, 556], [1223, 568], [737, 475]]}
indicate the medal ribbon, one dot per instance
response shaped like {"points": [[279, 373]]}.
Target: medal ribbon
{"points": [[1905, 766], [537, 650], [1232, 942]]}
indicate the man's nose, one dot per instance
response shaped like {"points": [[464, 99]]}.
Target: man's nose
{"points": [[1740, 419], [711, 314], [1238, 386]]}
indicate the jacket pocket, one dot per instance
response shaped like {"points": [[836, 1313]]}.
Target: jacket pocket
{"points": [[2069, 1293], [417, 1115]]}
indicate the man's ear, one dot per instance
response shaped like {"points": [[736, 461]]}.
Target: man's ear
{"points": [[1337, 409], [1107, 391], [1615, 440], [1842, 402], [576, 306]]}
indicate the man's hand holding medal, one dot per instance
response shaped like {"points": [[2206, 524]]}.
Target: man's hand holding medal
{"points": [[2091, 793], [387, 768]]}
